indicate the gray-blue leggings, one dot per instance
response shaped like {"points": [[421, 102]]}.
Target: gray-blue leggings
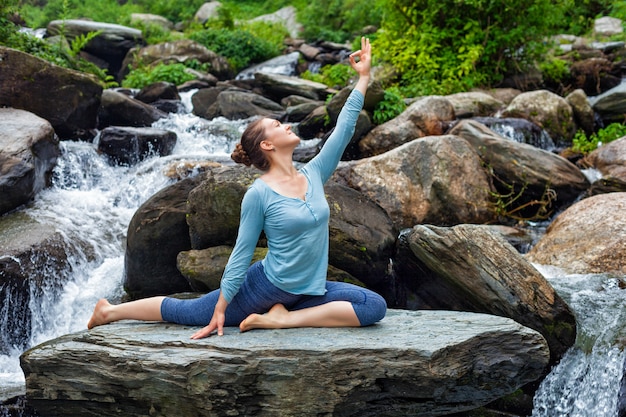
{"points": [[257, 295]]}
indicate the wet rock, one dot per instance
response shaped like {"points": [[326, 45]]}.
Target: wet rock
{"points": [[419, 363], [28, 152], [130, 145], [119, 109], [546, 109], [470, 268], [436, 180], [36, 260], [67, 99], [179, 51], [158, 91], [474, 104], [425, 117], [589, 237], [110, 45], [539, 180], [611, 105], [157, 232], [609, 159]]}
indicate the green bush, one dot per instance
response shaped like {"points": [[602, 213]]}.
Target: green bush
{"points": [[335, 76], [143, 75], [338, 20], [446, 46], [391, 106], [239, 46], [583, 144]]}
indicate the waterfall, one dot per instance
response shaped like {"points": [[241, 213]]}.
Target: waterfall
{"points": [[587, 380], [93, 202]]}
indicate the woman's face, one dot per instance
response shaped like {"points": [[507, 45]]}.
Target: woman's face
{"points": [[280, 135]]}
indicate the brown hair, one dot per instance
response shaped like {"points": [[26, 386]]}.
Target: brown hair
{"points": [[248, 150]]}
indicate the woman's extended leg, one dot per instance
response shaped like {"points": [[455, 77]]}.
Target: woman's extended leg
{"points": [[343, 305], [147, 309]]}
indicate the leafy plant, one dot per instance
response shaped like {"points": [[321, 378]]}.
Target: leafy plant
{"points": [[239, 46], [335, 76], [145, 75], [338, 20], [391, 106], [584, 145], [446, 46], [555, 70]]}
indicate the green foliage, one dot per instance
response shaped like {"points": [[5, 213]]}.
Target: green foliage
{"points": [[446, 46], [144, 75], [577, 16], [109, 11], [240, 46], [154, 33], [338, 20], [555, 70], [583, 144], [391, 106], [335, 76]]}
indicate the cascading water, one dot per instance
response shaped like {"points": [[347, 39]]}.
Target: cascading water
{"points": [[587, 381], [92, 202]]}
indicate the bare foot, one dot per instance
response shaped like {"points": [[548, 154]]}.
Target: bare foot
{"points": [[100, 314], [273, 319]]}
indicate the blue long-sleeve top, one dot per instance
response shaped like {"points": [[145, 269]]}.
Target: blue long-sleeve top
{"points": [[296, 229]]}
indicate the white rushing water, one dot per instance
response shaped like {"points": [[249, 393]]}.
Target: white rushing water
{"points": [[586, 382], [92, 201]]}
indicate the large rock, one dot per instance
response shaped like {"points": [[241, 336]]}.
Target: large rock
{"points": [[287, 16], [362, 236], [532, 182], [110, 45], [119, 109], [179, 51], [411, 363], [156, 234], [279, 86], [35, 259], [610, 159], [470, 268], [28, 152], [547, 110], [437, 180], [214, 206], [130, 145], [589, 237], [235, 104], [474, 104], [67, 99], [583, 113], [425, 117], [285, 65]]}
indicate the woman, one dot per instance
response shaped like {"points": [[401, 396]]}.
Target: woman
{"points": [[288, 288]]}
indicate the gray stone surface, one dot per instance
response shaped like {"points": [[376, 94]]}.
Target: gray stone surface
{"points": [[424, 363]]}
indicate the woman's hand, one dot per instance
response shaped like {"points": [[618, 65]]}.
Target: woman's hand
{"points": [[217, 321], [363, 65]]}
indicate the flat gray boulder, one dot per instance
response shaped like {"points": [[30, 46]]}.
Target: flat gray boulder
{"points": [[411, 363]]}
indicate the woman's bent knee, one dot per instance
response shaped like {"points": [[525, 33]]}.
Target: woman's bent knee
{"points": [[372, 310]]}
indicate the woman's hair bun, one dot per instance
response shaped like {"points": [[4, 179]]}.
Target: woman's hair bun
{"points": [[240, 156]]}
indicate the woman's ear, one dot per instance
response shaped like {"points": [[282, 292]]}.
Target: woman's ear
{"points": [[266, 146]]}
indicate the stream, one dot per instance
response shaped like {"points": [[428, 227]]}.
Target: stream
{"points": [[92, 201]]}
